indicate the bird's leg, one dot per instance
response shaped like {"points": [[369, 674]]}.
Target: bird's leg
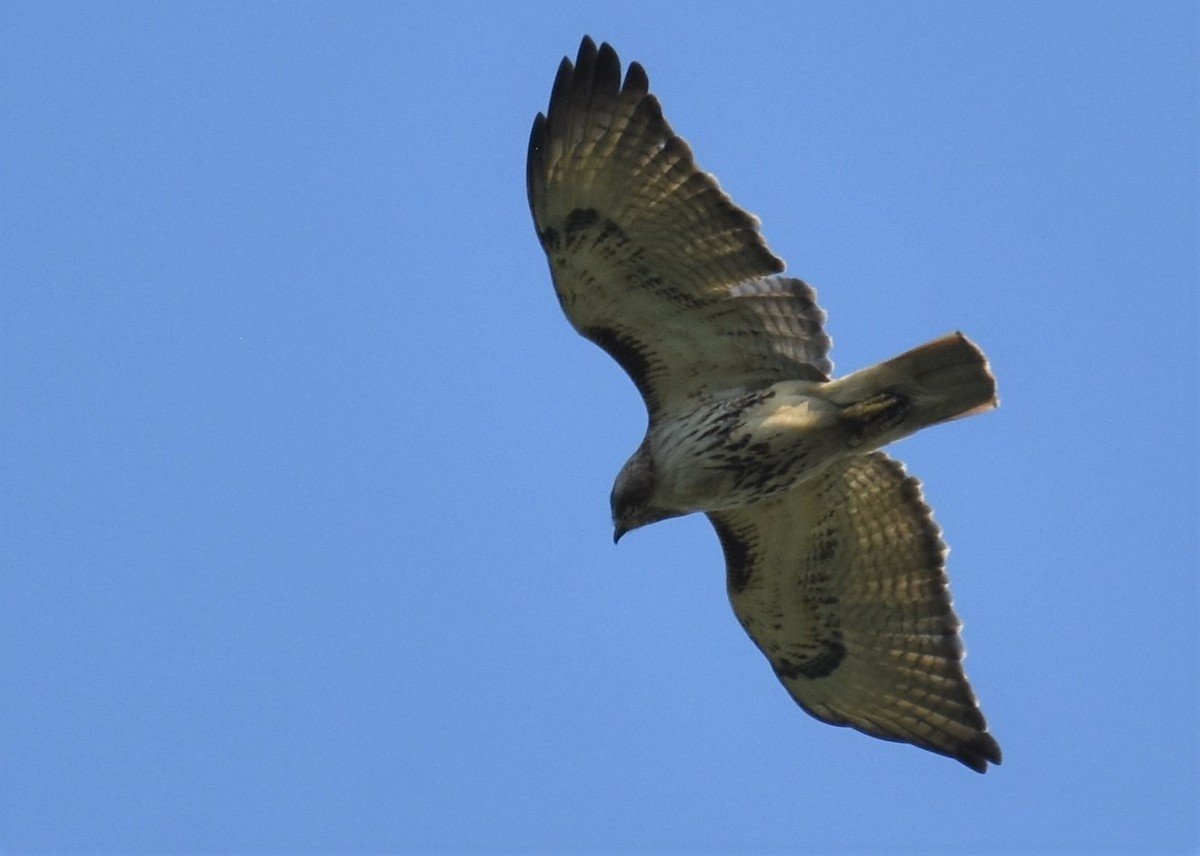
{"points": [[874, 416]]}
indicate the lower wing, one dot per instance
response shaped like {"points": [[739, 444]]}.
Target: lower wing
{"points": [[842, 584]]}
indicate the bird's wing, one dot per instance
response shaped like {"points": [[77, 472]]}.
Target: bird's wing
{"points": [[841, 583], [650, 259]]}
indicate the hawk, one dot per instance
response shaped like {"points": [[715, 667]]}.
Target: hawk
{"points": [[834, 565]]}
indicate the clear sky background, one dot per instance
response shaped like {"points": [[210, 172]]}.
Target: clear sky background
{"points": [[304, 478]]}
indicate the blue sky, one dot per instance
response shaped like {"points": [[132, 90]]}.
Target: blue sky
{"points": [[304, 478]]}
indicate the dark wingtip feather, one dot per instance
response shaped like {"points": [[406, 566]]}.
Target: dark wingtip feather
{"points": [[636, 79], [562, 85], [535, 166], [976, 754], [607, 75], [585, 68], [587, 51]]}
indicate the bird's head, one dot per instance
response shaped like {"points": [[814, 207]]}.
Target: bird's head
{"points": [[634, 495]]}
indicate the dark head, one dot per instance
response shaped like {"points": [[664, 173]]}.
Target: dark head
{"points": [[633, 495]]}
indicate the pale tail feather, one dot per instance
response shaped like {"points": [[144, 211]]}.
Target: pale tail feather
{"points": [[947, 378]]}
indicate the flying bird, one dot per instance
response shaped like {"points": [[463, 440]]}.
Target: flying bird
{"points": [[834, 565]]}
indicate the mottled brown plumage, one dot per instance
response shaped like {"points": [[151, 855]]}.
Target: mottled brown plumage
{"points": [[834, 565]]}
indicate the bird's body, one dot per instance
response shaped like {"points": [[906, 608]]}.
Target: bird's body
{"points": [[738, 448], [834, 565], [732, 451]]}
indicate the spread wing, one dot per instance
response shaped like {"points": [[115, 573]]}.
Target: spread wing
{"points": [[650, 259], [842, 584]]}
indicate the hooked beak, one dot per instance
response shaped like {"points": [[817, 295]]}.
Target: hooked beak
{"points": [[617, 533]]}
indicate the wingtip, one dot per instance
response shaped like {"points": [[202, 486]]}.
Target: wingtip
{"points": [[636, 79], [979, 753], [604, 56], [587, 49], [535, 166]]}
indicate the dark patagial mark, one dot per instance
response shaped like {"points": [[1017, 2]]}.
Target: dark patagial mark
{"points": [[739, 560], [629, 354], [550, 238]]}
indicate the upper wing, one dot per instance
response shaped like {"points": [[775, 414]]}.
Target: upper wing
{"points": [[842, 584], [650, 259]]}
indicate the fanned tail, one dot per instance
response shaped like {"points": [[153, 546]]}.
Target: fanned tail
{"points": [[945, 379]]}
